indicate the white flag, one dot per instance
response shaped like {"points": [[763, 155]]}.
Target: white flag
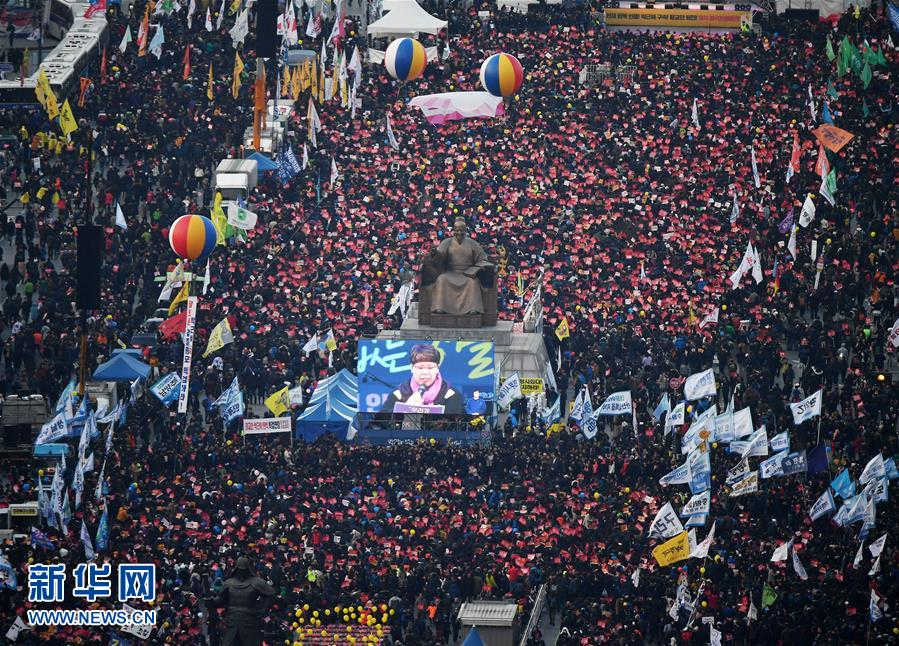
{"points": [[120, 217], [782, 552], [390, 137], [714, 636], [334, 173], [702, 549], [797, 566], [695, 114], [125, 39], [699, 385], [755, 168], [666, 523], [823, 505], [734, 209], [190, 13], [791, 243], [635, 578], [311, 344], [893, 336], [221, 16], [89, 553], [615, 404], [807, 408], [675, 417], [858, 556], [208, 24], [17, 626], [808, 211], [874, 607], [756, 266], [206, 279], [509, 391], [874, 469], [752, 614], [711, 317], [875, 568], [877, 546], [698, 504]]}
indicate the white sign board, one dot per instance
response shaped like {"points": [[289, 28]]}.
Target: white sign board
{"points": [[266, 425]]}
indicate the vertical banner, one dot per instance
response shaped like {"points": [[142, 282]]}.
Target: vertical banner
{"points": [[188, 352]]}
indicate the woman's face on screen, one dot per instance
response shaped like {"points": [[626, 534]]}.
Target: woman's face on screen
{"points": [[425, 372]]}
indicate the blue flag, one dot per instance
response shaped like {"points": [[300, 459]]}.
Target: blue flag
{"points": [[552, 414], [65, 396], [8, 576], [893, 15], [817, 459], [826, 116], [663, 407], [103, 531], [843, 486], [39, 539]]}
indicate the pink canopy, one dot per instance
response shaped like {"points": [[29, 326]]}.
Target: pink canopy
{"points": [[452, 106]]}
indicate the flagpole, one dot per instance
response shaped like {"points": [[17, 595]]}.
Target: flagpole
{"points": [[88, 219]]}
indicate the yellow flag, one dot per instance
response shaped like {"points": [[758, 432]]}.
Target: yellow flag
{"points": [[220, 335], [330, 342], [313, 80], [238, 68], [334, 82], [26, 198], [295, 86], [277, 402], [321, 87], [179, 298], [219, 221], [305, 75], [52, 106], [562, 332], [235, 5], [673, 550], [40, 89], [209, 84], [41, 192], [67, 121], [55, 198]]}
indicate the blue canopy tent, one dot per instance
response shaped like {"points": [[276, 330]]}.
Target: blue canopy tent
{"points": [[263, 164], [473, 638], [123, 366], [331, 409]]}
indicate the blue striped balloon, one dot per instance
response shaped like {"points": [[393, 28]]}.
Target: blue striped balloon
{"points": [[405, 59]]}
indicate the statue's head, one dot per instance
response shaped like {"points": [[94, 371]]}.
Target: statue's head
{"points": [[459, 229]]}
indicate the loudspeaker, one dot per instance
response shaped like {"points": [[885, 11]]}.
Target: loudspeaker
{"points": [[90, 256], [266, 29]]}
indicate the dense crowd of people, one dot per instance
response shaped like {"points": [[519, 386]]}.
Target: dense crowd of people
{"points": [[612, 191]]}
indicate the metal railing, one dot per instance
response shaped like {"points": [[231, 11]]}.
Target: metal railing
{"points": [[535, 615]]}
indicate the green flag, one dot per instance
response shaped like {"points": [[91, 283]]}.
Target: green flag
{"points": [[864, 108], [769, 596], [829, 49], [832, 91], [831, 181], [865, 76], [879, 58]]}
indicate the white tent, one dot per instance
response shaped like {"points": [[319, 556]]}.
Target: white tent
{"points": [[405, 18]]}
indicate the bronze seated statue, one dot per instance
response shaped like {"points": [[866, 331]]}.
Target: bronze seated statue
{"points": [[458, 284]]}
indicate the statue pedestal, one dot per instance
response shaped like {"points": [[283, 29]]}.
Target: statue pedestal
{"points": [[521, 352]]}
